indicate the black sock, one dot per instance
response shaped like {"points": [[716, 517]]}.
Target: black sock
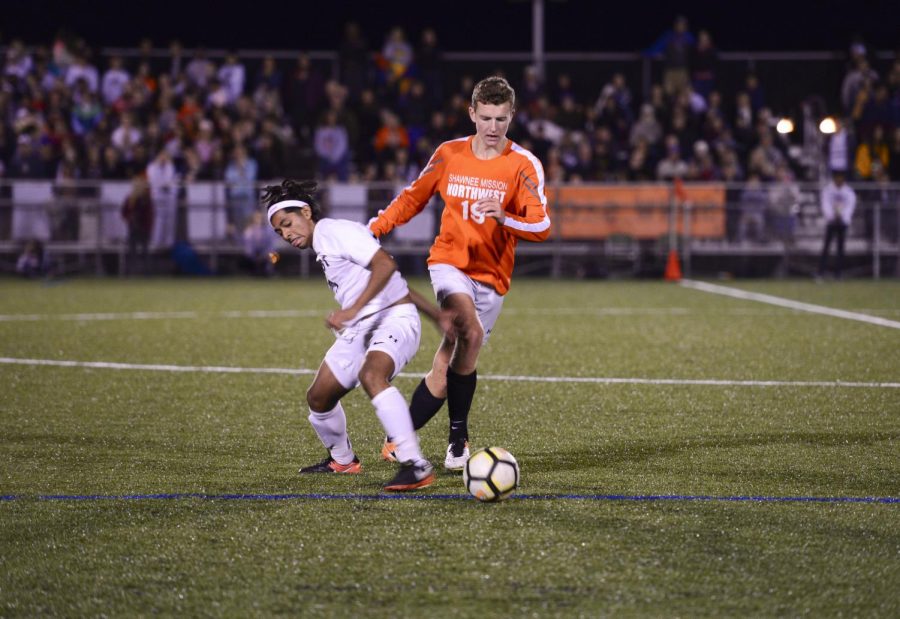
{"points": [[423, 405], [460, 391]]}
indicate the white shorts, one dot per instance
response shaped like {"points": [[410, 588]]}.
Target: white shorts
{"points": [[395, 331], [447, 280]]}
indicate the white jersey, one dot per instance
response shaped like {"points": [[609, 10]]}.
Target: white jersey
{"points": [[344, 249], [838, 201]]}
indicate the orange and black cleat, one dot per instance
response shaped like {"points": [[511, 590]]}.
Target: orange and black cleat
{"points": [[411, 477], [389, 451], [330, 465]]}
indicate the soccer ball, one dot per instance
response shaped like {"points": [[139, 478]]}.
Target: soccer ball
{"points": [[491, 474]]}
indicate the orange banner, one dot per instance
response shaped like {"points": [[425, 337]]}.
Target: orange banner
{"points": [[587, 212]]}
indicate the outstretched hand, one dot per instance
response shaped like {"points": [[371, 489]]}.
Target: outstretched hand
{"points": [[373, 220], [446, 324], [443, 319]]}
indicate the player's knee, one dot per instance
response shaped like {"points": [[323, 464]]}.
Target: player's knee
{"points": [[471, 333], [372, 378], [319, 401]]}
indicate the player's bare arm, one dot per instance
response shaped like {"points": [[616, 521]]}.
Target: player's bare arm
{"points": [[382, 267], [442, 318]]}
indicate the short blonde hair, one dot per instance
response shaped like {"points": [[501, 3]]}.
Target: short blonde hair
{"points": [[493, 90]]}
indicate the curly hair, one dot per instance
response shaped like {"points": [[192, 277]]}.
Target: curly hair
{"points": [[293, 190]]}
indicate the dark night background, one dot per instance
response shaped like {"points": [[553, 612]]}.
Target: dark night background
{"points": [[570, 25]]}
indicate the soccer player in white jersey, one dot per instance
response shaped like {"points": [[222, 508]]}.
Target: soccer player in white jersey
{"points": [[377, 332]]}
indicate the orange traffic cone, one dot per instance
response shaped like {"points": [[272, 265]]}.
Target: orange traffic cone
{"points": [[680, 191], [673, 267]]}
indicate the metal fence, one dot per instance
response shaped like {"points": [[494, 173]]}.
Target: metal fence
{"points": [[599, 230]]}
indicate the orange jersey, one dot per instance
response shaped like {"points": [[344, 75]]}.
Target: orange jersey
{"points": [[476, 245]]}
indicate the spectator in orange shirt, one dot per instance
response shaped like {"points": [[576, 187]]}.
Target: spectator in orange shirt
{"points": [[188, 112], [493, 192], [390, 137], [872, 154]]}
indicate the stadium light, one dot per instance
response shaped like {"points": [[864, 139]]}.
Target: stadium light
{"points": [[828, 125], [785, 125]]}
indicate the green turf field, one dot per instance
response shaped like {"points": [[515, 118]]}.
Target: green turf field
{"points": [[611, 517]]}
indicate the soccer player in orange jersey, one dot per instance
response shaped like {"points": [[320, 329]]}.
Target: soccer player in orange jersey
{"points": [[493, 192]]}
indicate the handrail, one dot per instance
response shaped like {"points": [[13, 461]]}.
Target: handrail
{"points": [[803, 185], [705, 232], [524, 56]]}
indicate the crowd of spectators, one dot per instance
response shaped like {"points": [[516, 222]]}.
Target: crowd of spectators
{"points": [[67, 114]]}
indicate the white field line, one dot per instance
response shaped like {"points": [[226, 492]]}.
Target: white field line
{"points": [[666, 311], [598, 311], [607, 311], [153, 367], [595, 380], [782, 302], [313, 313], [164, 315]]}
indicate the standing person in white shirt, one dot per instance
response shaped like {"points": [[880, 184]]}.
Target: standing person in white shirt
{"points": [[838, 204], [163, 180], [114, 81], [377, 332], [200, 70], [82, 69], [839, 149], [18, 60], [232, 75], [126, 137]]}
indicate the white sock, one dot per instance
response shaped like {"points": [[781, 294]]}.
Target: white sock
{"points": [[393, 413], [331, 426]]}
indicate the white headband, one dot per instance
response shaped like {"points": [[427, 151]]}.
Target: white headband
{"points": [[283, 205]]}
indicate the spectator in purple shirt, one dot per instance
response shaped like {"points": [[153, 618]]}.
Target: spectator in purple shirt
{"points": [[332, 147]]}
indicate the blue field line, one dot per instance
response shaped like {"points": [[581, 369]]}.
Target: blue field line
{"points": [[739, 499], [445, 497]]}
